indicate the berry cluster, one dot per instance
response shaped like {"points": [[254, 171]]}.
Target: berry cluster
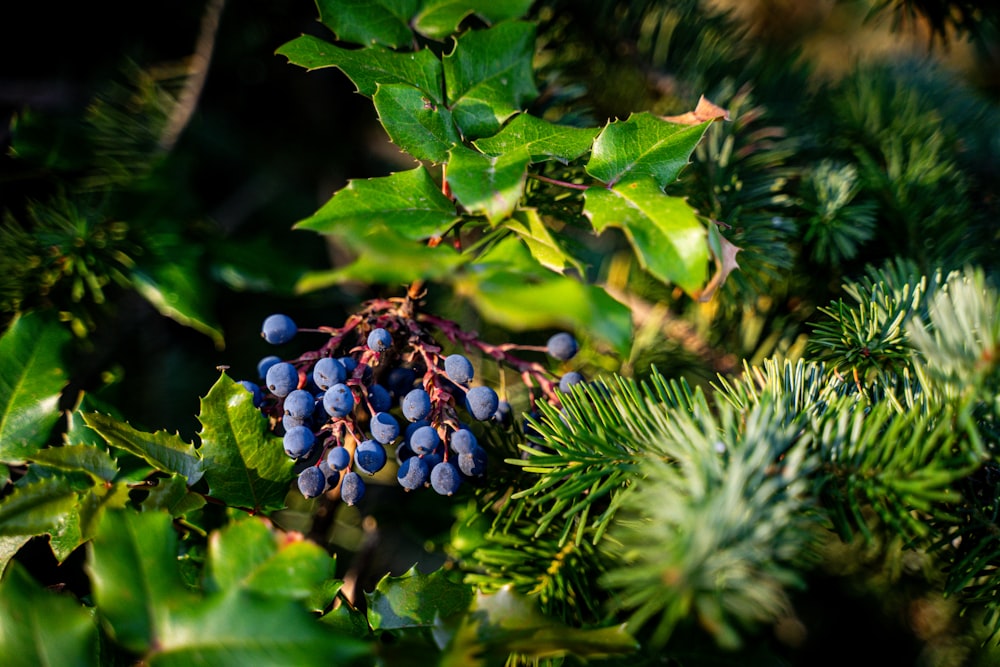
{"points": [[380, 385]]}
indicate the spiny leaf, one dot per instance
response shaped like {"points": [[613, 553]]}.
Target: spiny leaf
{"points": [[369, 21], [641, 147], [91, 460], [416, 600], [164, 451], [489, 77], [491, 186], [245, 465], [668, 239], [530, 228], [371, 66], [416, 123], [544, 140], [38, 507], [31, 379], [39, 627], [438, 19]]}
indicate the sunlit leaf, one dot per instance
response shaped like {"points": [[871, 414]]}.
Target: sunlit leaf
{"points": [[438, 19], [544, 247], [544, 140], [91, 460], [488, 185], [369, 21], [164, 451], [415, 122]]}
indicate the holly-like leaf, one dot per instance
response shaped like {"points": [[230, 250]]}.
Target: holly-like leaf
{"points": [[248, 554], [239, 628], [643, 147], [83, 458], [408, 202], [544, 140], [416, 600], [530, 228], [136, 579], [31, 380], [504, 622], [164, 451], [171, 494], [39, 506], [175, 290], [367, 68], [438, 19], [369, 21], [39, 627], [415, 123], [488, 185], [385, 257], [489, 76], [245, 465], [668, 239]]}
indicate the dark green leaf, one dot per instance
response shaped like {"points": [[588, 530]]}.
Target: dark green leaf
{"points": [[438, 19], [491, 186], [385, 257], [414, 122], [369, 21], [38, 507], [175, 290], [544, 247], [164, 451], [409, 203], [136, 578], [247, 554], [39, 627], [416, 600], [240, 628], [245, 465], [668, 238], [372, 66], [91, 460], [489, 76], [172, 495], [642, 147], [31, 379], [544, 140]]}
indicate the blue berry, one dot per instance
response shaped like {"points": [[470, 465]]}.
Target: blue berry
{"points": [[568, 380], [352, 488], [312, 482], [328, 372], [424, 440], [291, 421], [338, 401], [482, 402], [445, 478], [278, 329], [411, 428], [370, 456], [282, 378], [349, 363], [473, 464], [379, 340], [562, 346], [412, 473], [265, 364], [459, 369], [384, 427], [300, 404], [462, 441], [338, 458], [379, 398], [416, 404], [504, 414], [400, 380], [298, 441], [254, 389]]}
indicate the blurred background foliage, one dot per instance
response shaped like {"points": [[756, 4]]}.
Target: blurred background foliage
{"points": [[148, 194]]}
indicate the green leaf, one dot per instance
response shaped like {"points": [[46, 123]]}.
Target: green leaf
{"points": [[409, 203], [544, 247], [31, 380], [240, 628], [384, 256], [38, 507], [416, 600], [245, 465], [91, 460], [544, 140], [504, 622], [39, 627], [369, 21], [641, 147], [171, 494], [247, 554], [9, 546], [175, 290], [164, 451], [668, 239], [489, 76], [491, 186], [416, 123], [371, 66], [438, 19], [135, 575]]}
